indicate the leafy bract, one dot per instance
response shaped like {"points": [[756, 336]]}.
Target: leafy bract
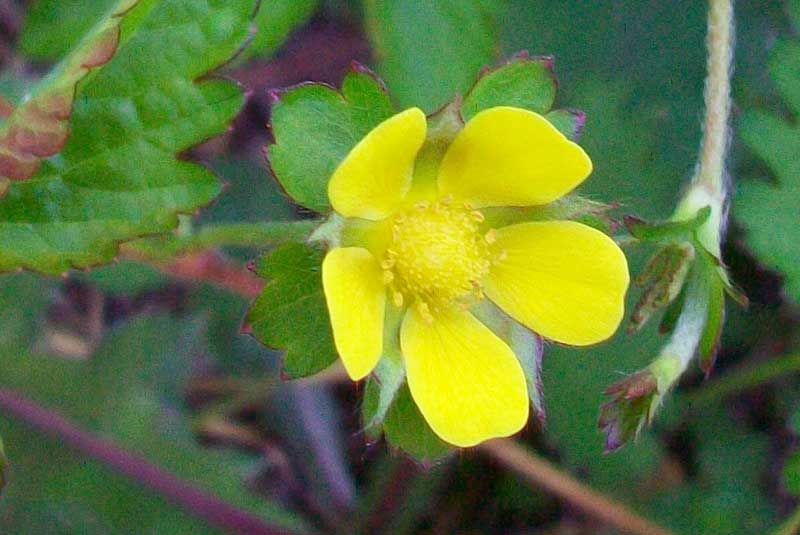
{"points": [[769, 210], [39, 126], [290, 313], [315, 127], [117, 177], [430, 51], [522, 82]]}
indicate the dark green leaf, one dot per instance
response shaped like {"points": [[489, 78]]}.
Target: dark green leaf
{"points": [[523, 82], [315, 127], [39, 126], [769, 211], [430, 51], [291, 313], [407, 430], [52, 27], [117, 177]]}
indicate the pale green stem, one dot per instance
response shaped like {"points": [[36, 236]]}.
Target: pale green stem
{"points": [[682, 345], [711, 168], [708, 187], [259, 235]]}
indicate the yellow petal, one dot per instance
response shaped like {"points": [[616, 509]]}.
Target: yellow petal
{"points": [[351, 279], [375, 176], [465, 380], [511, 157], [563, 280]]}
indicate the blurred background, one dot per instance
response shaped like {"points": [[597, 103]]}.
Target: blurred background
{"points": [[158, 365]]}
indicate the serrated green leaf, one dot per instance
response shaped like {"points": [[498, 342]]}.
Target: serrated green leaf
{"points": [[291, 313], [523, 82], [430, 51], [769, 211], [315, 127], [407, 430], [52, 27], [275, 20], [39, 126], [117, 177]]}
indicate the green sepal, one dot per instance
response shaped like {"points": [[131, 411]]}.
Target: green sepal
{"points": [[522, 82], [571, 207], [406, 429], [672, 313], [667, 230], [663, 279], [291, 313], [315, 127], [715, 316]]}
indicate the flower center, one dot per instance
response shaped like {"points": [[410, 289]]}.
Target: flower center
{"points": [[437, 255]]}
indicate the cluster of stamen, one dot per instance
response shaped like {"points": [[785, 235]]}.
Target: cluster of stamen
{"points": [[438, 256]]}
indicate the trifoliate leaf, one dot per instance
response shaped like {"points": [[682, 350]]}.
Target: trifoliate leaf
{"points": [[290, 313], [39, 126], [117, 177], [430, 51], [769, 211], [523, 82], [315, 127]]}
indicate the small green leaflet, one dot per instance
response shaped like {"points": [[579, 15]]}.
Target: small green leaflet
{"points": [[315, 127], [291, 313]]}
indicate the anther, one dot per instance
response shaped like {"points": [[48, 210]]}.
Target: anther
{"points": [[491, 236], [397, 299], [477, 216], [425, 312], [388, 277]]}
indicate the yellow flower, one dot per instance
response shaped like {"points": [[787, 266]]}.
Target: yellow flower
{"points": [[419, 253]]}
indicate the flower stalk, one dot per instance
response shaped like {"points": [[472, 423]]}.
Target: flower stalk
{"points": [[690, 286]]}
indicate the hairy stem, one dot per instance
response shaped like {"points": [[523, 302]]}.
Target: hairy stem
{"points": [[711, 167]]}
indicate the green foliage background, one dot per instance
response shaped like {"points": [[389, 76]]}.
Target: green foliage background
{"points": [[636, 69]]}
